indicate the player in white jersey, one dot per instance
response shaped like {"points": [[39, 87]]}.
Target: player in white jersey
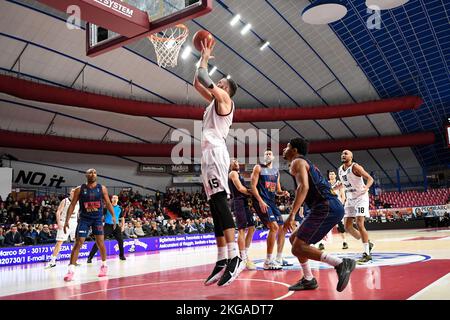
{"points": [[339, 189], [352, 176], [61, 214], [215, 163]]}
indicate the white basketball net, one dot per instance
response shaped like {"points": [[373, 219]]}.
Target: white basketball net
{"points": [[168, 43]]}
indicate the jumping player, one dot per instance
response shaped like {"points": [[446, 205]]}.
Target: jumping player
{"points": [[90, 197], [357, 203], [325, 211], [242, 213], [215, 164]]}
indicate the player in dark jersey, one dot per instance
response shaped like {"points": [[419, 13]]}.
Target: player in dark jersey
{"points": [[242, 213], [325, 212], [265, 187], [90, 196]]}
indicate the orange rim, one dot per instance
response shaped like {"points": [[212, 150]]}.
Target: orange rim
{"points": [[180, 37]]}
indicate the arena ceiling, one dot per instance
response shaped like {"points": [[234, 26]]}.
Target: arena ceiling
{"points": [[305, 65]]}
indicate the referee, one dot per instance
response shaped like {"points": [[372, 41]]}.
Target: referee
{"points": [[110, 230]]}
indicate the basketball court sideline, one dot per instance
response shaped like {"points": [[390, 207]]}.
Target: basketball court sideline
{"points": [[178, 274]]}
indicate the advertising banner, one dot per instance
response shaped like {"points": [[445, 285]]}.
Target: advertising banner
{"points": [[32, 254]]}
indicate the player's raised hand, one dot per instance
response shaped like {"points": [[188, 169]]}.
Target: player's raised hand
{"points": [[207, 48]]}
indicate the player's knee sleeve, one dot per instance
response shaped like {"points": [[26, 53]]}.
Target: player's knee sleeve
{"points": [[218, 229], [223, 211]]}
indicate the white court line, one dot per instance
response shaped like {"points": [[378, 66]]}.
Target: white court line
{"points": [[178, 281], [443, 282]]}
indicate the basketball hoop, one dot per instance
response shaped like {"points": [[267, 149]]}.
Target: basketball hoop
{"points": [[168, 43]]}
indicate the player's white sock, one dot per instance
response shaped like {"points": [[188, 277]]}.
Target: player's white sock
{"points": [[307, 271], [71, 268], [269, 257], [246, 250], [331, 260], [366, 248], [53, 259], [232, 250], [279, 256], [104, 263], [221, 253], [244, 255]]}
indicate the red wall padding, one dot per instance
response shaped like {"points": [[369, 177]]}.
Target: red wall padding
{"points": [[55, 143], [45, 93]]}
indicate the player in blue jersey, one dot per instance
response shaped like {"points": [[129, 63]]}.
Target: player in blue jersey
{"points": [[242, 213], [265, 187], [325, 211], [110, 229], [89, 196]]}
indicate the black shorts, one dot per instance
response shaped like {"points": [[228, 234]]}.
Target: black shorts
{"points": [[243, 215]]}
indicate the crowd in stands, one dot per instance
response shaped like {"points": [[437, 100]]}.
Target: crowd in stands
{"points": [[33, 220]]}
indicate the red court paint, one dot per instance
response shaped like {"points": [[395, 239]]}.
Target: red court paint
{"points": [[377, 283]]}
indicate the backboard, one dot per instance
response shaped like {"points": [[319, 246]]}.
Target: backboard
{"points": [[162, 14]]}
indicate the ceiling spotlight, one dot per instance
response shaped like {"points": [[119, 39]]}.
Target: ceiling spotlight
{"points": [[228, 77], [265, 45], [384, 4], [186, 52], [324, 11], [235, 19], [214, 69], [246, 29]]}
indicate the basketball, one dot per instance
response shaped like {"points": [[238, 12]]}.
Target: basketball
{"points": [[199, 37]]}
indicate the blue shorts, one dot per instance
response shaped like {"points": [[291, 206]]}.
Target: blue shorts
{"points": [[243, 215], [320, 220], [273, 213], [85, 223]]}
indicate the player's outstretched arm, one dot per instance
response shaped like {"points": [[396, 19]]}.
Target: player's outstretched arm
{"points": [[201, 89], [221, 96]]}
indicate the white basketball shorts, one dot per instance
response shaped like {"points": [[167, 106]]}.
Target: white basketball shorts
{"points": [[61, 236], [215, 166], [357, 207]]}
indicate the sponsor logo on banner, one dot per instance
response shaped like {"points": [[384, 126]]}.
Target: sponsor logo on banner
{"points": [[116, 6], [152, 168], [32, 254], [38, 179], [179, 168], [439, 210]]}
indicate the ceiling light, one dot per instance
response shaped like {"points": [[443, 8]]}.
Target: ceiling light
{"points": [[265, 45], [214, 69], [235, 19], [324, 12], [247, 27], [186, 52]]}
